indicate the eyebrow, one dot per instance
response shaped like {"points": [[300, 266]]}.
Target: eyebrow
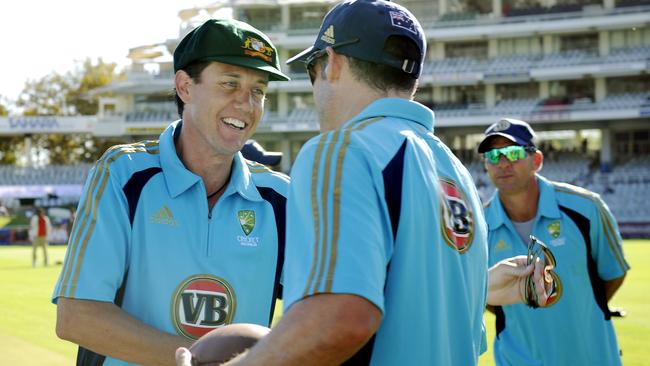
{"points": [[238, 76]]}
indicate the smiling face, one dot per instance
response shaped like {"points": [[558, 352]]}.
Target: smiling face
{"points": [[223, 109], [512, 177]]}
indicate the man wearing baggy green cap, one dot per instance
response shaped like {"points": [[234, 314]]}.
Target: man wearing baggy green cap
{"points": [[181, 235]]}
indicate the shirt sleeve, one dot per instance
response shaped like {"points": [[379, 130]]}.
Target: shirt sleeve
{"points": [[98, 248], [336, 230], [607, 243]]}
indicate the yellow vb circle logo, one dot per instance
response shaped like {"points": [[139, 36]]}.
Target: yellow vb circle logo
{"points": [[202, 303]]}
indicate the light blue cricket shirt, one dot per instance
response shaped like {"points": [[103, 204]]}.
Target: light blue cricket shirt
{"points": [[144, 240], [380, 208], [576, 328]]}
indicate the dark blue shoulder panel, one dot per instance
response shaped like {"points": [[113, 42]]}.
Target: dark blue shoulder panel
{"points": [[279, 204], [134, 186], [393, 175], [597, 284]]}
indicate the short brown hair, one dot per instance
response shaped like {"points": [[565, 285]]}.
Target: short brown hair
{"points": [[383, 77]]}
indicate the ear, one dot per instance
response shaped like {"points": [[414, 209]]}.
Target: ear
{"points": [[182, 82], [538, 160], [335, 65]]}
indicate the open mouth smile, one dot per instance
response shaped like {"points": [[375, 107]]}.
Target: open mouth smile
{"points": [[235, 123]]}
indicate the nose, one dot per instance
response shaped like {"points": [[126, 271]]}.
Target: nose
{"points": [[244, 100], [503, 160]]}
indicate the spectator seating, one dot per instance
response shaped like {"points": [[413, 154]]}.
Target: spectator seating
{"points": [[50, 175], [151, 116], [520, 65]]}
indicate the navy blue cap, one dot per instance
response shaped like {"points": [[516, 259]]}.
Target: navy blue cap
{"points": [[360, 29], [252, 150], [514, 130]]}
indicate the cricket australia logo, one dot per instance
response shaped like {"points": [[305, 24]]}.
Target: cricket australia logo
{"points": [[202, 303], [246, 220], [457, 222], [554, 229]]}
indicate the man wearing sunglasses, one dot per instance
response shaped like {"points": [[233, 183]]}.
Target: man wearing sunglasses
{"points": [[589, 266]]}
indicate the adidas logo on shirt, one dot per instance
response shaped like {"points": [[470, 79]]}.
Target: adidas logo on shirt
{"points": [[164, 216]]}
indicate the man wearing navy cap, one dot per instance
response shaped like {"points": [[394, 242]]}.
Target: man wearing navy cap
{"points": [[575, 326], [179, 236], [386, 260]]}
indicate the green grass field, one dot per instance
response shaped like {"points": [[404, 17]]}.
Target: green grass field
{"points": [[27, 317]]}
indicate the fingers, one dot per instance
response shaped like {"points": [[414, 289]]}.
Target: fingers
{"points": [[183, 357], [517, 266], [540, 279], [519, 260]]}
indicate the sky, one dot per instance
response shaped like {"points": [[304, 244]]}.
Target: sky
{"points": [[38, 37]]}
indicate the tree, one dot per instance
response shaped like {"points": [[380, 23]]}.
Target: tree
{"points": [[70, 149], [90, 76], [66, 94], [45, 97], [4, 111], [10, 148]]}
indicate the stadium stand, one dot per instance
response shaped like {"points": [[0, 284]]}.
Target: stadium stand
{"points": [[565, 65]]}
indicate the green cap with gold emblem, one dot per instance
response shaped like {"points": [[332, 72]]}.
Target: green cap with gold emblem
{"points": [[231, 42]]}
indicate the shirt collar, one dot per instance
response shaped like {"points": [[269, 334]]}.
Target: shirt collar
{"points": [[398, 108], [546, 205], [495, 215], [241, 180], [179, 179], [177, 176]]}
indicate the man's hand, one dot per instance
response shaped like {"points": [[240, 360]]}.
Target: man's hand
{"points": [[507, 281]]}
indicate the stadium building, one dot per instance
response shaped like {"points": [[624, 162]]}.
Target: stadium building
{"points": [[577, 70]]}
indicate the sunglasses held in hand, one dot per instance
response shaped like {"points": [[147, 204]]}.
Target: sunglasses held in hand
{"points": [[538, 250]]}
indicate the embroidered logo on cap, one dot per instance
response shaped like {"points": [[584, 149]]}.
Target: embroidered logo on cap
{"points": [[328, 35], [256, 48], [502, 126], [402, 20]]}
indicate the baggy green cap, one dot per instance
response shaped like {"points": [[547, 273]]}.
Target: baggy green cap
{"points": [[231, 42]]}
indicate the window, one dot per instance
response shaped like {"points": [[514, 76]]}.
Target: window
{"points": [[478, 50], [517, 91]]}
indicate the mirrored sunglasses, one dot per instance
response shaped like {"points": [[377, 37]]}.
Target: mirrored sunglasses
{"points": [[512, 153]]}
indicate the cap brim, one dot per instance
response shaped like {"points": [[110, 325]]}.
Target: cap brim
{"points": [[302, 56], [270, 159], [250, 63], [483, 146]]}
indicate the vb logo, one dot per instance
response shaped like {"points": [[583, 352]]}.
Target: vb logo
{"points": [[202, 303], [457, 223]]}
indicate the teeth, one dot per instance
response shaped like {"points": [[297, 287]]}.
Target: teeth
{"points": [[234, 122]]}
